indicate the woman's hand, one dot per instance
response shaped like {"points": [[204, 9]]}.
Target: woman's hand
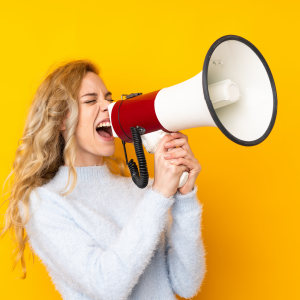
{"points": [[169, 165]]}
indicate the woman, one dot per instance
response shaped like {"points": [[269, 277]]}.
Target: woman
{"points": [[99, 236]]}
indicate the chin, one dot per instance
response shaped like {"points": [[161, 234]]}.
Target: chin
{"points": [[107, 151]]}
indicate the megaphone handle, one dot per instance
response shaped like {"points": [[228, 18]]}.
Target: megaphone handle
{"points": [[183, 179], [151, 141]]}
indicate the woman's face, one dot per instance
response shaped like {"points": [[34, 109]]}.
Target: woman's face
{"points": [[93, 144]]}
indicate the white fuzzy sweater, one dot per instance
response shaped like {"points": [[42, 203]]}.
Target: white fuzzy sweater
{"points": [[110, 240]]}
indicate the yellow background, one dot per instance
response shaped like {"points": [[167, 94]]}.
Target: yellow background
{"points": [[250, 195]]}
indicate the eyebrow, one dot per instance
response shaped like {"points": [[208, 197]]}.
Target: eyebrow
{"points": [[94, 94], [107, 94]]}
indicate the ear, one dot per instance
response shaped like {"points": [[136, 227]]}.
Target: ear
{"points": [[63, 124]]}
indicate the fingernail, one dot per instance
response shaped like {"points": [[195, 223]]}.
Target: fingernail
{"points": [[173, 161], [173, 133], [167, 155], [167, 145]]}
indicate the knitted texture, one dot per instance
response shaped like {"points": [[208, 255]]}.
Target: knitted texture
{"points": [[109, 240]]}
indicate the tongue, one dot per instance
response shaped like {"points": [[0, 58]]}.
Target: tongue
{"points": [[103, 133]]}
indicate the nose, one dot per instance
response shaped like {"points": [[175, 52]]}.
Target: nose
{"points": [[104, 105]]}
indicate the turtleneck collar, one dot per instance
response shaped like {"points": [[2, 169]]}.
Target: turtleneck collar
{"points": [[91, 174]]}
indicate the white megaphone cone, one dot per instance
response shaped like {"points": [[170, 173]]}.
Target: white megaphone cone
{"points": [[235, 92]]}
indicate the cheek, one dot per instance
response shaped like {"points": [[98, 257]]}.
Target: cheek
{"points": [[85, 125]]}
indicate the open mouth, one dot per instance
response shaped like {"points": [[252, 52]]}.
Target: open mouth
{"points": [[104, 129]]}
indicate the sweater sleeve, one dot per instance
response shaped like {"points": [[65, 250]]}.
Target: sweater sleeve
{"points": [[72, 254], [185, 253]]}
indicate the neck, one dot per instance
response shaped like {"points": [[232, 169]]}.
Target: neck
{"points": [[87, 160]]}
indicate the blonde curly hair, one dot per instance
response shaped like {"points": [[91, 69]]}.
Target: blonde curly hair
{"points": [[42, 149]]}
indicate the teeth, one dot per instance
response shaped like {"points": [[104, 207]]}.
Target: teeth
{"points": [[104, 124]]}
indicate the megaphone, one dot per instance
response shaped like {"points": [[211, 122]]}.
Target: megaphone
{"points": [[234, 92]]}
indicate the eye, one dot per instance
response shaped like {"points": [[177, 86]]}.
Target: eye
{"points": [[90, 101], [110, 100]]}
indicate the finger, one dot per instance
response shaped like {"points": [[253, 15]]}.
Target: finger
{"points": [[177, 153], [180, 169], [179, 135], [192, 165], [167, 138], [178, 142], [183, 168]]}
